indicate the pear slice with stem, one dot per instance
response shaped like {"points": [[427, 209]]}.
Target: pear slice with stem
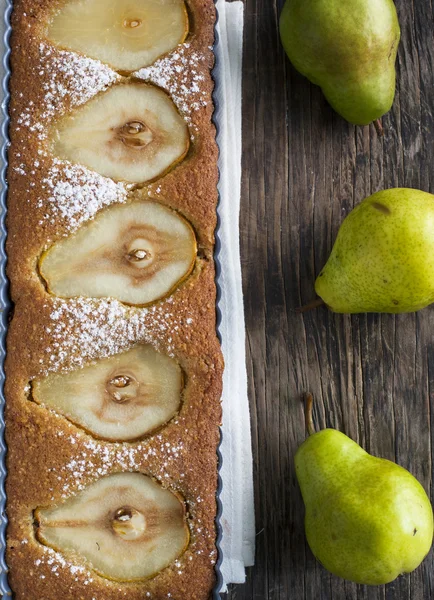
{"points": [[137, 253], [121, 398], [125, 34], [126, 526], [132, 132]]}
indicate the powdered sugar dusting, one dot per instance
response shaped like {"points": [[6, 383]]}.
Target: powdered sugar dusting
{"points": [[68, 76], [180, 75], [57, 563], [85, 77], [77, 194], [86, 329], [99, 461]]}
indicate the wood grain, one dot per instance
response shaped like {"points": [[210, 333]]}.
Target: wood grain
{"points": [[304, 169]]}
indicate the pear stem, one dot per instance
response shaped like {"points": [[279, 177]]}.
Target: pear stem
{"points": [[379, 128], [309, 414], [311, 306]]}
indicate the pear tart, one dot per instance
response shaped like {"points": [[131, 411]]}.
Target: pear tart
{"points": [[113, 369]]}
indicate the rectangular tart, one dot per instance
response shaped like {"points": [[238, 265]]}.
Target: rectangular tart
{"points": [[60, 340]]}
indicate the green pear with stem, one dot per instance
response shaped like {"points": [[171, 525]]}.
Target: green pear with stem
{"points": [[383, 257], [347, 48], [367, 520]]}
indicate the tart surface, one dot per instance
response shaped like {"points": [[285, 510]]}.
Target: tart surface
{"points": [[54, 454]]}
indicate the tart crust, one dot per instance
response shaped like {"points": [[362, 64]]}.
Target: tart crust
{"points": [[49, 458]]}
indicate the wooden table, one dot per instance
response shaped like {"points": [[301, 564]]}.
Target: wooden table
{"points": [[372, 376]]}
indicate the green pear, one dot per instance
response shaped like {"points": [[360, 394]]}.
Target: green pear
{"points": [[367, 519], [347, 48], [383, 257]]}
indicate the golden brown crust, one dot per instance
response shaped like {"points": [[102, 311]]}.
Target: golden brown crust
{"points": [[48, 457]]}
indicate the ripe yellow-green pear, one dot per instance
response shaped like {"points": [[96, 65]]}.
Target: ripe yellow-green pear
{"points": [[368, 520], [383, 257], [348, 49]]}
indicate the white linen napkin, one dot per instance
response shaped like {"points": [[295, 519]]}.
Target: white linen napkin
{"points": [[238, 520]]}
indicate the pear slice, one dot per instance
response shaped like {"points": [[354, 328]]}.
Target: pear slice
{"points": [[125, 34], [131, 132], [126, 525], [136, 253], [121, 398]]}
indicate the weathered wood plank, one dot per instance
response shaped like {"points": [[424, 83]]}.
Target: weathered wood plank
{"points": [[372, 376]]}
